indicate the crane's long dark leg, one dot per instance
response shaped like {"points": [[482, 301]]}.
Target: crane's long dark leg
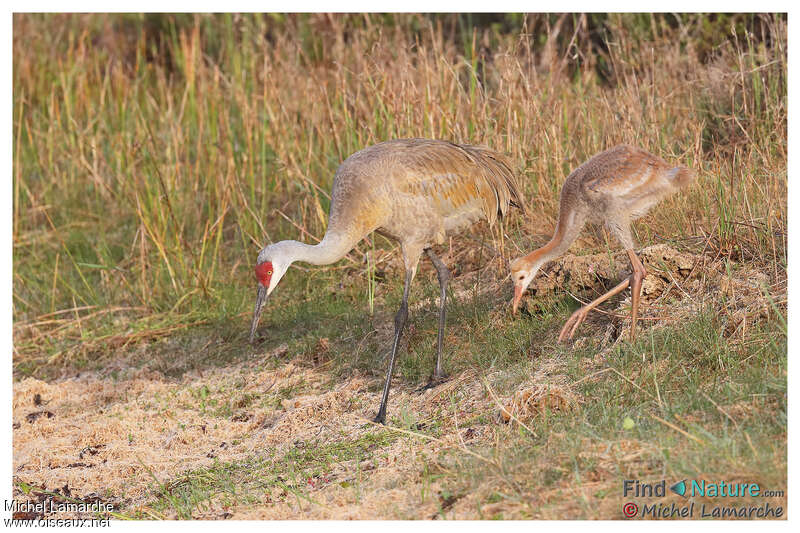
{"points": [[399, 323], [444, 277], [635, 282]]}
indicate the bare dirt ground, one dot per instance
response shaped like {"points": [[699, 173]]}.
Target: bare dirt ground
{"points": [[119, 436], [102, 436]]}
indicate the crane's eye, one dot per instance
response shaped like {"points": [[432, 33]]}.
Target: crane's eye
{"points": [[521, 277], [269, 272]]}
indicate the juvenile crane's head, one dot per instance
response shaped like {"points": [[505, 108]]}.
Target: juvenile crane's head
{"points": [[523, 270], [271, 265]]}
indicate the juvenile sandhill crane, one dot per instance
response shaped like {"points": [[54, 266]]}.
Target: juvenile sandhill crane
{"points": [[614, 187], [415, 191]]}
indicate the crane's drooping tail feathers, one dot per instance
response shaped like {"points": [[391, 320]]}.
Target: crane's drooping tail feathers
{"points": [[496, 170]]}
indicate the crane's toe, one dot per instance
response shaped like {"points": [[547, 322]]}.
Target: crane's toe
{"points": [[571, 325]]}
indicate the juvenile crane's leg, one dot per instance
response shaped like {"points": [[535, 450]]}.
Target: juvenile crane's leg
{"points": [[399, 323], [635, 282], [577, 318], [637, 277], [444, 278]]}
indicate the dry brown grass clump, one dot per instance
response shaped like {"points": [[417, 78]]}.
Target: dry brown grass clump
{"points": [[532, 400]]}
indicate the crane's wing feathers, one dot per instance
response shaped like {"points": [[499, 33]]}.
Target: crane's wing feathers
{"points": [[629, 172], [456, 174]]}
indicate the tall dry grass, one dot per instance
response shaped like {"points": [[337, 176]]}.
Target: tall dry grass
{"points": [[154, 155]]}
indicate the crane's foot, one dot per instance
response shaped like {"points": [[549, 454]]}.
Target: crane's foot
{"points": [[380, 418], [634, 319], [632, 334], [522, 310], [571, 325], [435, 381]]}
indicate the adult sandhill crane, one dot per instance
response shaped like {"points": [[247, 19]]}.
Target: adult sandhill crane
{"points": [[415, 191], [614, 187]]}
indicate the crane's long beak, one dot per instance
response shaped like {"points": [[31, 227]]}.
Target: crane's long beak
{"points": [[261, 299], [518, 291]]}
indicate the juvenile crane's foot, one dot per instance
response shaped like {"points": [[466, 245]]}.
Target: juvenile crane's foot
{"points": [[632, 334], [380, 418], [571, 325]]}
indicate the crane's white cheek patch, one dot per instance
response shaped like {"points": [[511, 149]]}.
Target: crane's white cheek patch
{"points": [[275, 278]]}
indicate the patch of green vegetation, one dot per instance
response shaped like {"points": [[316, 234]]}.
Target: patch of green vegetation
{"points": [[702, 406], [306, 467]]}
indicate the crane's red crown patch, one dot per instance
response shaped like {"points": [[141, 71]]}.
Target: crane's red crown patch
{"points": [[264, 273]]}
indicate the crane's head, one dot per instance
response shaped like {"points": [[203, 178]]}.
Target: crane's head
{"points": [[271, 265], [523, 270]]}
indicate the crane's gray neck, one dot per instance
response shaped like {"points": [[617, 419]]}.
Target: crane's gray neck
{"points": [[329, 250]]}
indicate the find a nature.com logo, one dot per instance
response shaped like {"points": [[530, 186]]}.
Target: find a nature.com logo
{"points": [[702, 488]]}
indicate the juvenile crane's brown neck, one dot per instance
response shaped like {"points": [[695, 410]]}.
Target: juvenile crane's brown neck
{"points": [[567, 230]]}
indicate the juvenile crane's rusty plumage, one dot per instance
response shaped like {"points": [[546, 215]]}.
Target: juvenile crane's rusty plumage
{"points": [[415, 191], [614, 187]]}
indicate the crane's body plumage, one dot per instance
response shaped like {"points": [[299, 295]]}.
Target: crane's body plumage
{"points": [[416, 191], [614, 187], [620, 185]]}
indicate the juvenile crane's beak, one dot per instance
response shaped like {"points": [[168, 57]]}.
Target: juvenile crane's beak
{"points": [[261, 299], [518, 291]]}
